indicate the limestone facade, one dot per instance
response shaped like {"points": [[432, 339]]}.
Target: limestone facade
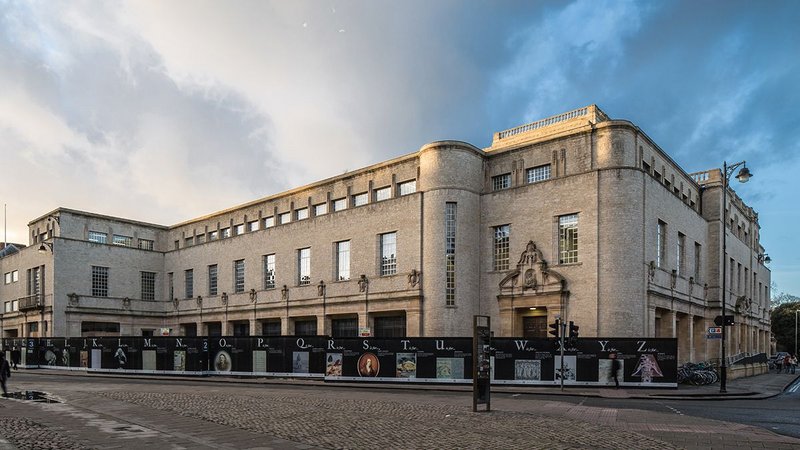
{"points": [[575, 216]]}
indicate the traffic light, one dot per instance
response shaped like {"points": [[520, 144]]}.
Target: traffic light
{"points": [[573, 333], [554, 328]]}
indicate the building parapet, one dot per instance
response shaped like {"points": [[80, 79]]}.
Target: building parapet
{"points": [[539, 128]]}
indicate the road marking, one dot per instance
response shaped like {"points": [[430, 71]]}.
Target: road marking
{"points": [[674, 410]]}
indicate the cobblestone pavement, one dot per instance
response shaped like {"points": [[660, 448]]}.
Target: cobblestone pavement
{"points": [[108, 413]]}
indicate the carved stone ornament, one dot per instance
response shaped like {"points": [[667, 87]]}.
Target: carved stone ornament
{"points": [[199, 301], [321, 289], [224, 298], [74, 299], [176, 303], [126, 303], [363, 283], [743, 304], [253, 295], [414, 277], [285, 293], [651, 271], [532, 274]]}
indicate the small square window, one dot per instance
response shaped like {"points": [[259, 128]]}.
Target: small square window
{"points": [[340, 204], [320, 209], [252, 226], [269, 222], [213, 236], [382, 194], [285, 217], [225, 232], [539, 173], [500, 182], [98, 237], [238, 229], [406, 188], [301, 214], [125, 241], [360, 199]]}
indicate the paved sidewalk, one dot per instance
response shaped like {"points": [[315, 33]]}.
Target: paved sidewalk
{"points": [[103, 412]]}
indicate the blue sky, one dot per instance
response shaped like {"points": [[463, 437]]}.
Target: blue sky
{"points": [[163, 111]]}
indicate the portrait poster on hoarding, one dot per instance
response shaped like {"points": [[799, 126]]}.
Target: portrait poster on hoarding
{"points": [[84, 359], [299, 362], [148, 360]]}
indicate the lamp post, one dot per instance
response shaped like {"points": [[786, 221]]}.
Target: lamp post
{"points": [[743, 176], [795, 331]]}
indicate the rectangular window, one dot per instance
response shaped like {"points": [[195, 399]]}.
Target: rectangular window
{"points": [[390, 326], [502, 234], [301, 213], [304, 266], [568, 239], [285, 217], [200, 238], [171, 285], [360, 199], [238, 275], [8, 278], [680, 254], [340, 204], [177, 244], [384, 193], [271, 328], [388, 254], [406, 188], [450, 253], [238, 230], [661, 244], [343, 260], [539, 173], [98, 237], [148, 286], [35, 275], [500, 182], [269, 271], [125, 241], [269, 222], [99, 281], [252, 226], [99, 327], [344, 328], [188, 241], [14, 276], [188, 278], [305, 328], [225, 233], [213, 235], [320, 209], [212, 280], [697, 261]]}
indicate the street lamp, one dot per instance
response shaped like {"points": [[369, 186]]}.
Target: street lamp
{"points": [[743, 176], [795, 331]]}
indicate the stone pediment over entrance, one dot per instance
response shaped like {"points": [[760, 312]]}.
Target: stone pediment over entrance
{"points": [[532, 276]]}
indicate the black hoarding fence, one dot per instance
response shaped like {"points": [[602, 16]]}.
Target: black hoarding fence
{"points": [[650, 362]]}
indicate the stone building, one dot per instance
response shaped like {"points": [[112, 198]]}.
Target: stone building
{"points": [[575, 216]]}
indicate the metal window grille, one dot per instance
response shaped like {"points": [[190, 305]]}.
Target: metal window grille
{"points": [[269, 272], [238, 275], [171, 282], [304, 265], [501, 247], [697, 262], [305, 328], [539, 173], [679, 253], [343, 260], [342, 328], [568, 239], [98, 237], [501, 182], [212, 279], [450, 253], [189, 283], [99, 281], [390, 326], [148, 286], [389, 254]]}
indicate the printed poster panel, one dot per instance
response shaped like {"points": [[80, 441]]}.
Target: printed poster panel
{"points": [[420, 360]]}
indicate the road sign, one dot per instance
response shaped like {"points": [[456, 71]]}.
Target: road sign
{"points": [[714, 336], [714, 330]]}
